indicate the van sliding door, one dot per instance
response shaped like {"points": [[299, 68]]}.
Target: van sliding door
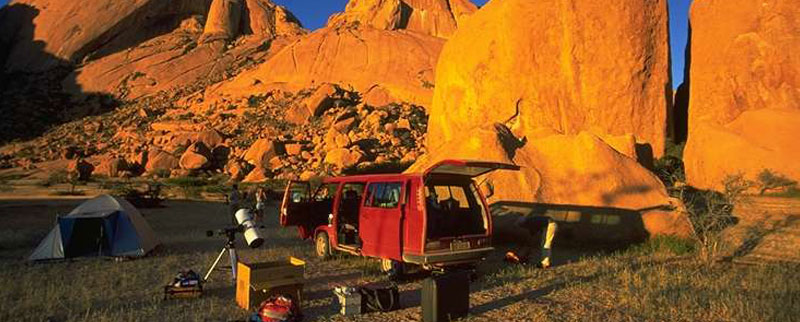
{"points": [[380, 220]]}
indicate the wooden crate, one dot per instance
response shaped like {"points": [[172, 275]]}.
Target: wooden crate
{"points": [[257, 281], [171, 291]]}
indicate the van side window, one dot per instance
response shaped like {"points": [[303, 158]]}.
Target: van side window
{"points": [[383, 194], [455, 195], [326, 191]]}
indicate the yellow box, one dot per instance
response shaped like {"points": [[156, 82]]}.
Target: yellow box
{"points": [[257, 281]]}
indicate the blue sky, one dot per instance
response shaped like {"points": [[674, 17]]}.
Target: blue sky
{"points": [[314, 13]]}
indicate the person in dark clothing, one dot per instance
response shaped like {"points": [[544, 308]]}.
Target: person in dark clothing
{"points": [[541, 232], [233, 199]]}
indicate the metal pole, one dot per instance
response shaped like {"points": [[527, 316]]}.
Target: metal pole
{"points": [[234, 260], [215, 264]]}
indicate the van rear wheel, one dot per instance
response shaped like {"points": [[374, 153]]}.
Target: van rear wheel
{"points": [[323, 245]]}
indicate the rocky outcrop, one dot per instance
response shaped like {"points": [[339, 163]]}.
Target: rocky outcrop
{"points": [[438, 18], [134, 49], [568, 91], [387, 48], [70, 31], [360, 59], [744, 106], [554, 67]]}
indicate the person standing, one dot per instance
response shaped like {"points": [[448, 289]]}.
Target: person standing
{"points": [[233, 201], [541, 232], [261, 204]]}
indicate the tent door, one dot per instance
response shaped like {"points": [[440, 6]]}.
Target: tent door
{"points": [[89, 237]]}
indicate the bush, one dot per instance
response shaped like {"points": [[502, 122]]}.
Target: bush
{"points": [[710, 212], [190, 186], [768, 180], [57, 177], [670, 170]]}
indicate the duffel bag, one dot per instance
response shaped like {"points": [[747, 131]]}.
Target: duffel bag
{"points": [[380, 297]]}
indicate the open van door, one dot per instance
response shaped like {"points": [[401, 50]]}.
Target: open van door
{"points": [[295, 203], [468, 167]]}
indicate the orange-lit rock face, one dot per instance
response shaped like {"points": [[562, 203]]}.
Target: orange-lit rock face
{"points": [[400, 62], [438, 18], [744, 108], [574, 66], [67, 31], [559, 169], [132, 49]]}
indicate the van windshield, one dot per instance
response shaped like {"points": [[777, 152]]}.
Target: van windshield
{"points": [[453, 209]]}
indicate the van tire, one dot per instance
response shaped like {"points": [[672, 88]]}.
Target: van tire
{"points": [[322, 245]]}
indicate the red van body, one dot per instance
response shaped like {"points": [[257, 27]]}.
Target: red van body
{"points": [[433, 219]]}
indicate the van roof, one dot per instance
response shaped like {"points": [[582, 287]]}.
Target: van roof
{"points": [[373, 177]]}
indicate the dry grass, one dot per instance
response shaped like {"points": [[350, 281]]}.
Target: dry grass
{"points": [[657, 281]]}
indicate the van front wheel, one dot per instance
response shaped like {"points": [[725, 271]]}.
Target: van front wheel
{"points": [[323, 245]]}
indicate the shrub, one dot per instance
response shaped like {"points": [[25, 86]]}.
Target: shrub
{"points": [[190, 186], [57, 177], [710, 212], [670, 170], [768, 180]]}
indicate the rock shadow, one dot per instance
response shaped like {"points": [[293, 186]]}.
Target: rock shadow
{"points": [[32, 102]]}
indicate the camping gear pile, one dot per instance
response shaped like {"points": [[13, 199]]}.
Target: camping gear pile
{"points": [[103, 226], [186, 284]]}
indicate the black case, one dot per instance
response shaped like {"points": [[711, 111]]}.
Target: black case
{"points": [[445, 297], [379, 297]]}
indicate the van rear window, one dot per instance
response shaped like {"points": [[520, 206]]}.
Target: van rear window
{"points": [[383, 194]]}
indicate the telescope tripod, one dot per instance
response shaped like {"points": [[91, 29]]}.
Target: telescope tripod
{"points": [[229, 247]]}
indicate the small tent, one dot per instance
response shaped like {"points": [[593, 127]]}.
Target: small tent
{"points": [[103, 226]]}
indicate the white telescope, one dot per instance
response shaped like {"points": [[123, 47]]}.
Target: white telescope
{"points": [[249, 228]]}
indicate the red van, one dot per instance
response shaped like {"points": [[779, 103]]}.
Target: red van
{"points": [[433, 219]]}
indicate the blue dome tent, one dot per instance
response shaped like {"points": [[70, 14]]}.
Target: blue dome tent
{"points": [[102, 226]]}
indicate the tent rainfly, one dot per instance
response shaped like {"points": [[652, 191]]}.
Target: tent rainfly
{"points": [[102, 226]]}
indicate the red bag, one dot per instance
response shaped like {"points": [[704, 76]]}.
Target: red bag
{"points": [[279, 309]]}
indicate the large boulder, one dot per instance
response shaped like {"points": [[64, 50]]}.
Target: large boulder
{"points": [[111, 166], [196, 157], [558, 169], [223, 20], [343, 158], [744, 105], [551, 67], [607, 196], [160, 161], [261, 152]]}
